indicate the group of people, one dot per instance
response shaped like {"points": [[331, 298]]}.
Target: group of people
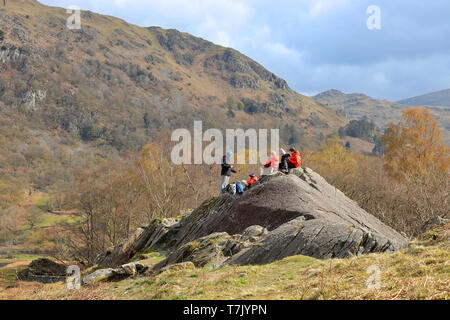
{"points": [[288, 161]]}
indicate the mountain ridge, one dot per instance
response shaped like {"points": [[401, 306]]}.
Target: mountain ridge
{"points": [[437, 98], [357, 106], [156, 65]]}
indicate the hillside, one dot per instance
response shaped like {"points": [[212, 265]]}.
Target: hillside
{"points": [[438, 98], [312, 243], [71, 100], [115, 84], [357, 106], [87, 177]]}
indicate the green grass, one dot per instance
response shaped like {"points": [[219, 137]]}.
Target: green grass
{"points": [[52, 220], [25, 257], [18, 257], [42, 203], [8, 276], [419, 272], [152, 257]]}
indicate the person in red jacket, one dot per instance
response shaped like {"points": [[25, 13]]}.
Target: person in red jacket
{"points": [[252, 180], [296, 159]]}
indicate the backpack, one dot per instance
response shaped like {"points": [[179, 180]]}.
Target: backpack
{"points": [[284, 163], [239, 188], [231, 188]]}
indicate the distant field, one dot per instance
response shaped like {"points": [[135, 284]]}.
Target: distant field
{"points": [[17, 257]]}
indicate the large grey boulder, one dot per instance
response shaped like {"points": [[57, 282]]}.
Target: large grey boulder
{"points": [[98, 276], [282, 215], [127, 270]]}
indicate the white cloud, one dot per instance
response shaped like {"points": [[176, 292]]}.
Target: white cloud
{"points": [[320, 7], [379, 78], [314, 44], [262, 39], [215, 20]]}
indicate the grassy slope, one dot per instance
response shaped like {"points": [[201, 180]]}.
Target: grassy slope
{"points": [[420, 272], [358, 145]]}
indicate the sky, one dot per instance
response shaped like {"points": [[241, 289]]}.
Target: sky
{"points": [[399, 50]]}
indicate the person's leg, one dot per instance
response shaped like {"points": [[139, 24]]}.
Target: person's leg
{"points": [[224, 183], [221, 185], [291, 165]]}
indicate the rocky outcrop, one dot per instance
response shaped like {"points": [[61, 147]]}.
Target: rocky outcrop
{"points": [[433, 222], [158, 236], [32, 98], [246, 72], [44, 271], [127, 270], [281, 216], [10, 54], [214, 249]]}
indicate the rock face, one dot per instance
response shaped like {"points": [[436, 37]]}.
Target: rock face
{"points": [[159, 234], [281, 216]]}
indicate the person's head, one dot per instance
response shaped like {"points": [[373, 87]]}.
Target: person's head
{"points": [[252, 175], [273, 153], [282, 152], [293, 150], [230, 154]]}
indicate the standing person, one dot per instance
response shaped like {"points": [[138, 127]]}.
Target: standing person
{"points": [[284, 163], [227, 169], [296, 159], [271, 165]]}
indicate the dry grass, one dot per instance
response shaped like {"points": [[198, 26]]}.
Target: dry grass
{"points": [[359, 145], [421, 271]]}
